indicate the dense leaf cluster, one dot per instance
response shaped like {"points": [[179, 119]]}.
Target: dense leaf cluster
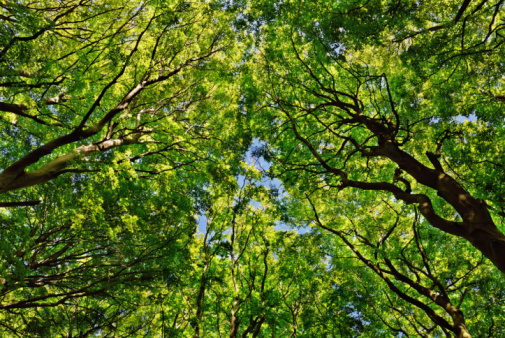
{"points": [[252, 168]]}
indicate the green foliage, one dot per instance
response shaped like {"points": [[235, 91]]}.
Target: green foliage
{"points": [[252, 168]]}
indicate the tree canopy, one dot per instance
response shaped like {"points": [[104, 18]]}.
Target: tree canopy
{"points": [[252, 168]]}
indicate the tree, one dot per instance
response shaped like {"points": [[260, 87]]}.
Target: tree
{"points": [[105, 115], [97, 252], [342, 161], [426, 296], [82, 79], [331, 112]]}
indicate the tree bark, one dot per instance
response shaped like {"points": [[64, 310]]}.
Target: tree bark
{"points": [[56, 167]]}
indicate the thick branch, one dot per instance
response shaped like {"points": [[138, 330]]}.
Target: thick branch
{"points": [[19, 204], [55, 167]]}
